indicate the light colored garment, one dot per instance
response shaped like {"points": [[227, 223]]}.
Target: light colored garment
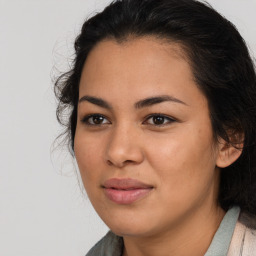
{"points": [[222, 238], [236, 236], [243, 242]]}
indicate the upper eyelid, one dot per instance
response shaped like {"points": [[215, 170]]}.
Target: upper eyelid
{"points": [[86, 117], [94, 114], [162, 115], [147, 116]]}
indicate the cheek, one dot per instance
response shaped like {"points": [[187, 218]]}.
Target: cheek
{"points": [[183, 159], [87, 153], [184, 172]]}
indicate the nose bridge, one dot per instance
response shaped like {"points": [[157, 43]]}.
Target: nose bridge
{"points": [[124, 145]]}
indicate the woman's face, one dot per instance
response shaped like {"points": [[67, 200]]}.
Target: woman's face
{"points": [[144, 142]]}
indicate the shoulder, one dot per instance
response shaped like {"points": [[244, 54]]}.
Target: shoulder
{"points": [[244, 237], [248, 220], [109, 245]]}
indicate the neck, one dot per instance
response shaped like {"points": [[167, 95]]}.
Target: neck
{"points": [[192, 237]]}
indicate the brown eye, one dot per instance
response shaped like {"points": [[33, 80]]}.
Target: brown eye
{"points": [[159, 120], [95, 120]]}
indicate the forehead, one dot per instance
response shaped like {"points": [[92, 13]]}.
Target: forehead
{"points": [[139, 67], [135, 49]]}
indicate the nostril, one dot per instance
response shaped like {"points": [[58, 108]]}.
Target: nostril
{"points": [[128, 161], [121, 164], [109, 162]]}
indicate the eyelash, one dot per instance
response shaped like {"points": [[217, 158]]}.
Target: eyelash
{"points": [[167, 120], [86, 119]]}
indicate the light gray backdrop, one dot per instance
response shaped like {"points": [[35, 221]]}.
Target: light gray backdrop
{"points": [[42, 209]]}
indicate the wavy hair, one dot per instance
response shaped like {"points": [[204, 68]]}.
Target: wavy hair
{"points": [[221, 65]]}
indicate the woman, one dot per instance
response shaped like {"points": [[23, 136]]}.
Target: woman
{"points": [[162, 125]]}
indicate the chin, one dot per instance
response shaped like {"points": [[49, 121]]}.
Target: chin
{"points": [[130, 232], [137, 228]]}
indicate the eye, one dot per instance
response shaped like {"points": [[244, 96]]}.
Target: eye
{"points": [[158, 120], [95, 119]]}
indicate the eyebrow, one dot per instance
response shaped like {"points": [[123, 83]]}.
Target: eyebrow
{"points": [[155, 100], [138, 105], [96, 101]]}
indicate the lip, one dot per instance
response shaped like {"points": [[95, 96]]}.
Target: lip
{"points": [[125, 191]]}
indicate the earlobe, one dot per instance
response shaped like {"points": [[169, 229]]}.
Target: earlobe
{"points": [[228, 153]]}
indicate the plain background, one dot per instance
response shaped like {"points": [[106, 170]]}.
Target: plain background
{"points": [[43, 211]]}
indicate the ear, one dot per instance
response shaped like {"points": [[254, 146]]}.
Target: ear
{"points": [[228, 153]]}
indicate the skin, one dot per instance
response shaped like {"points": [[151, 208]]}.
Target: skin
{"points": [[179, 158]]}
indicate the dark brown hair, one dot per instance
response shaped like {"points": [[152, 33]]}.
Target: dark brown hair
{"points": [[221, 64]]}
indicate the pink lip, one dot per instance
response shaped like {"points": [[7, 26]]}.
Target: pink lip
{"points": [[125, 191]]}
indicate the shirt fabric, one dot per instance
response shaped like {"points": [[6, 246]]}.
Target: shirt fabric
{"points": [[236, 236]]}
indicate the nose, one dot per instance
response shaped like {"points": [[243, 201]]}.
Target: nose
{"points": [[124, 147]]}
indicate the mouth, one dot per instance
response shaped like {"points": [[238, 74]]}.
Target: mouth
{"points": [[126, 191]]}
